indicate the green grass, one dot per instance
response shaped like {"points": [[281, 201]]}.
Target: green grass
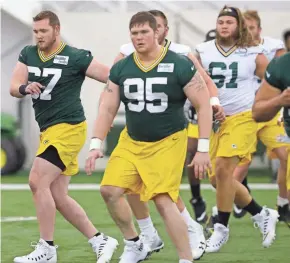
{"points": [[255, 176], [244, 245]]}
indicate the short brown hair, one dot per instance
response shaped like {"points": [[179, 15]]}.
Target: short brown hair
{"points": [[159, 13], [253, 15], [141, 18], [244, 36], [52, 17]]}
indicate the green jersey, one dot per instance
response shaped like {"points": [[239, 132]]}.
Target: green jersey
{"points": [[62, 75], [153, 96], [277, 75]]}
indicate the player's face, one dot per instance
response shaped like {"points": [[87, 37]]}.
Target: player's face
{"points": [[253, 28], [143, 37], [227, 27], [45, 35], [162, 29]]}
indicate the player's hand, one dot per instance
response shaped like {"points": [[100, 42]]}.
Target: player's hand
{"points": [[201, 164], [219, 113], [34, 88], [91, 160], [285, 98]]}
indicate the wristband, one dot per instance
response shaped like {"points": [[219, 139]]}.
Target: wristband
{"points": [[96, 143], [214, 101], [203, 145], [22, 90]]}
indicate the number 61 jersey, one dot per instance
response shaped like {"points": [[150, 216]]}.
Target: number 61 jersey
{"points": [[153, 96], [62, 75], [233, 72]]}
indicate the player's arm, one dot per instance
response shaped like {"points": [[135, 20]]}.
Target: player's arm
{"points": [[261, 65], [267, 102], [98, 71], [18, 85], [280, 52], [198, 94]]}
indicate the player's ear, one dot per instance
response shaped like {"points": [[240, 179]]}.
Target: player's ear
{"points": [[166, 31], [57, 30]]}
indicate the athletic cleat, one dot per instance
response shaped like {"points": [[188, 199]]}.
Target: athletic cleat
{"points": [[196, 240], [266, 220], [104, 247], [199, 208], [239, 212], [43, 253], [135, 252], [219, 237], [154, 242], [284, 214]]}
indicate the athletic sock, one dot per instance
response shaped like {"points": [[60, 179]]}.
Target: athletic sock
{"points": [[253, 208], [223, 218]]}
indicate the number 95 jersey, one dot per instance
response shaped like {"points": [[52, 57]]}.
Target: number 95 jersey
{"points": [[233, 72], [62, 75], [153, 96]]}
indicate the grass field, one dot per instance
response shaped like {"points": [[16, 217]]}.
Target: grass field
{"points": [[244, 244]]}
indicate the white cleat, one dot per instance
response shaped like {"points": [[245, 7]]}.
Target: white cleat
{"points": [[104, 247], [43, 253], [135, 252], [218, 238], [196, 240], [266, 221], [154, 242]]}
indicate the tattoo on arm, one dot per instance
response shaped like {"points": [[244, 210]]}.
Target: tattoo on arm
{"points": [[196, 82], [107, 89]]}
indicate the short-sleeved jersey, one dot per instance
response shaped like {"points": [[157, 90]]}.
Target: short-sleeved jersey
{"points": [[62, 75], [233, 73], [277, 75], [270, 47], [153, 96], [128, 49]]}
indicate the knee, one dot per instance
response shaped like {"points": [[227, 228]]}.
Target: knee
{"points": [[225, 168], [110, 193], [33, 181], [163, 202]]}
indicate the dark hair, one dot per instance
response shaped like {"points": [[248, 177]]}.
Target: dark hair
{"points": [[141, 18], [159, 13], [286, 34], [52, 17]]}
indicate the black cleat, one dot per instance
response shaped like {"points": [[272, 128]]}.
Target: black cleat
{"points": [[199, 208], [239, 212], [284, 214]]}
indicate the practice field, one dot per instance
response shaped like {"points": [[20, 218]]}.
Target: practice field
{"points": [[19, 228]]}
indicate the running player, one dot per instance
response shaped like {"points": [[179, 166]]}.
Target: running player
{"points": [[153, 83], [53, 73]]}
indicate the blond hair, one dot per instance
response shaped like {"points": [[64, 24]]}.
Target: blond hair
{"points": [[253, 15]]}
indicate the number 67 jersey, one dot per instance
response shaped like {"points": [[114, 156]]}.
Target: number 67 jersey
{"points": [[61, 74], [233, 72]]}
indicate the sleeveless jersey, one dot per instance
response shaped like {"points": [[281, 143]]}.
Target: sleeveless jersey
{"points": [[233, 73], [62, 75]]}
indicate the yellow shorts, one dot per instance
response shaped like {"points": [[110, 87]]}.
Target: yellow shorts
{"points": [[288, 170], [192, 130], [236, 137], [68, 139], [147, 168]]}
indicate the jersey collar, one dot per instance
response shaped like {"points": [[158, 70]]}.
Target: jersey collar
{"points": [[223, 52], [46, 58], [154, 64]]}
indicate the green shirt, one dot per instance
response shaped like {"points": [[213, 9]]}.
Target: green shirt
{"points": [[278, 76], [153, 96], [62, 75]]}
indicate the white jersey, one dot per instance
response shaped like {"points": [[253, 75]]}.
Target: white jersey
{"points": [[128, 49], [233, 73]]}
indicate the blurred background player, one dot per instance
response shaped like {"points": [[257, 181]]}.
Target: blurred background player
{"points": [[269, 131], [139, 150], [53, 73], [286, 37], [233, 60]]}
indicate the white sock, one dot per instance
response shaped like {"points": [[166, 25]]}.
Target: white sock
{"points": [[214, 211], [282, 201], [186, 217], [184, 261], [146, 226]]}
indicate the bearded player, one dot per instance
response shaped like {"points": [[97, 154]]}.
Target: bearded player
{"points": [[52, 73], [233, 61]]}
